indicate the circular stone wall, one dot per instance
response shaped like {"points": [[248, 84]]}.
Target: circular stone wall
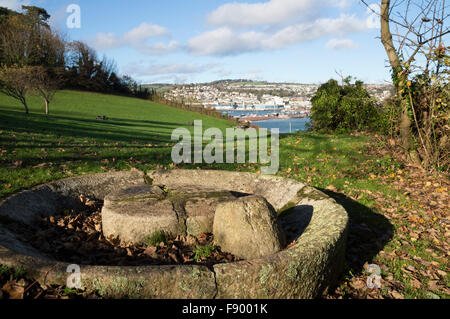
{"points": [[316, 228]]}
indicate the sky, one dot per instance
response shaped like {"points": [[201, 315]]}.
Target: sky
{"points": [[180, 41]]}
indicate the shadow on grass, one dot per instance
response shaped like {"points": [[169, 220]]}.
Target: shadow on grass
{"points": [[111, 130], [368, 232]]}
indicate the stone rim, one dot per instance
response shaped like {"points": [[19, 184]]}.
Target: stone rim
{"points": [[305, 270]]}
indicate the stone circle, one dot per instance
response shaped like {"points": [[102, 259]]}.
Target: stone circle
{"points": [[315, 226]]}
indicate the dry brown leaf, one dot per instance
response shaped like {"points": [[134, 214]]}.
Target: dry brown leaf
{"points": [[395, 294], [416, 283], [332, 188], [433, 285], [441, 273], [174, 257], [14, 289], [150, 251]]}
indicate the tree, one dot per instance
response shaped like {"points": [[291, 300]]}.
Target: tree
{"points": [[412, 33], [347, 107], [83, 64], [17, 82], [45, 85], [27, 39]]}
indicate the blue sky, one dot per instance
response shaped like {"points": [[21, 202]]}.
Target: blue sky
{"points": [[180, 41]]}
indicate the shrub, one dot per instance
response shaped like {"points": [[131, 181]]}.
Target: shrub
{"points": [[343, 108]]}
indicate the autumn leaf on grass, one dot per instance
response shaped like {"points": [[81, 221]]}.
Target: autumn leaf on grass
{"points": [[332, 188], [396, 295]]}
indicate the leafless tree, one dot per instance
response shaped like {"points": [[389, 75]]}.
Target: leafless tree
{"points": [[17, 82], [45, 85], [413, 34]]}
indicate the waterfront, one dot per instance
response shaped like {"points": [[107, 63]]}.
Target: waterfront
{"points": [[284, 125], [248, 113]]}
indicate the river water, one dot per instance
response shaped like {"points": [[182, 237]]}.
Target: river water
{"points": [[285, 125]]}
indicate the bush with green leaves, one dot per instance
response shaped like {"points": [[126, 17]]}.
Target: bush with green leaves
{"points": [[343, 108]]}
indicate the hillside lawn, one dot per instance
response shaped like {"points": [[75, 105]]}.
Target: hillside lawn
{"points": [[398, 214]]}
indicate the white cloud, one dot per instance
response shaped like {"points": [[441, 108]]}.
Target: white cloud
{"points": [[170, 72], [157, 48], [13, 4], [145, 31], [167, 69], [137, 38], [225, 41], [341, 44], [269, 13]]}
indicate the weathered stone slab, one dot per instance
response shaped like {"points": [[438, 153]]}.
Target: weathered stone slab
{"points": [[134, 214], [200, 209], [248, 228], [277, 190]]}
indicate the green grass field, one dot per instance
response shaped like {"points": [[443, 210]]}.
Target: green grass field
{"points": [[384, 218], [71, 141]]}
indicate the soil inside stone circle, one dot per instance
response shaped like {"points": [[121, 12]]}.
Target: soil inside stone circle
{"points": [[76, 237]]}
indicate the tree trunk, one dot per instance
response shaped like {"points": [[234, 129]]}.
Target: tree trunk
{"points": [[24, 102], [46, 106], [405, 127], [386, 37], [394, 60]]}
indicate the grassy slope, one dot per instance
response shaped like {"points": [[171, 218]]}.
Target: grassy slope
{"points": [[36, 148], [71, 141]]}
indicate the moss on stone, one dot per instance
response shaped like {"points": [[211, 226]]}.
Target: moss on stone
{"points": [[137, 198], [119, 287], [148, 180], [292, 270], [286, 208], [311, 193], [265, 273]]}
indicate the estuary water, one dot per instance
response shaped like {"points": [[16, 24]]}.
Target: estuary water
{"points": [[285, 125]]}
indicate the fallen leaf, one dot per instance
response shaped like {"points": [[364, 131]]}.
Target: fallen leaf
{"points": [[395, 294], [14, 289], [332, 188], [441, 273], [174, 257], [150, 251], [433, 285], [415, 283]]}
